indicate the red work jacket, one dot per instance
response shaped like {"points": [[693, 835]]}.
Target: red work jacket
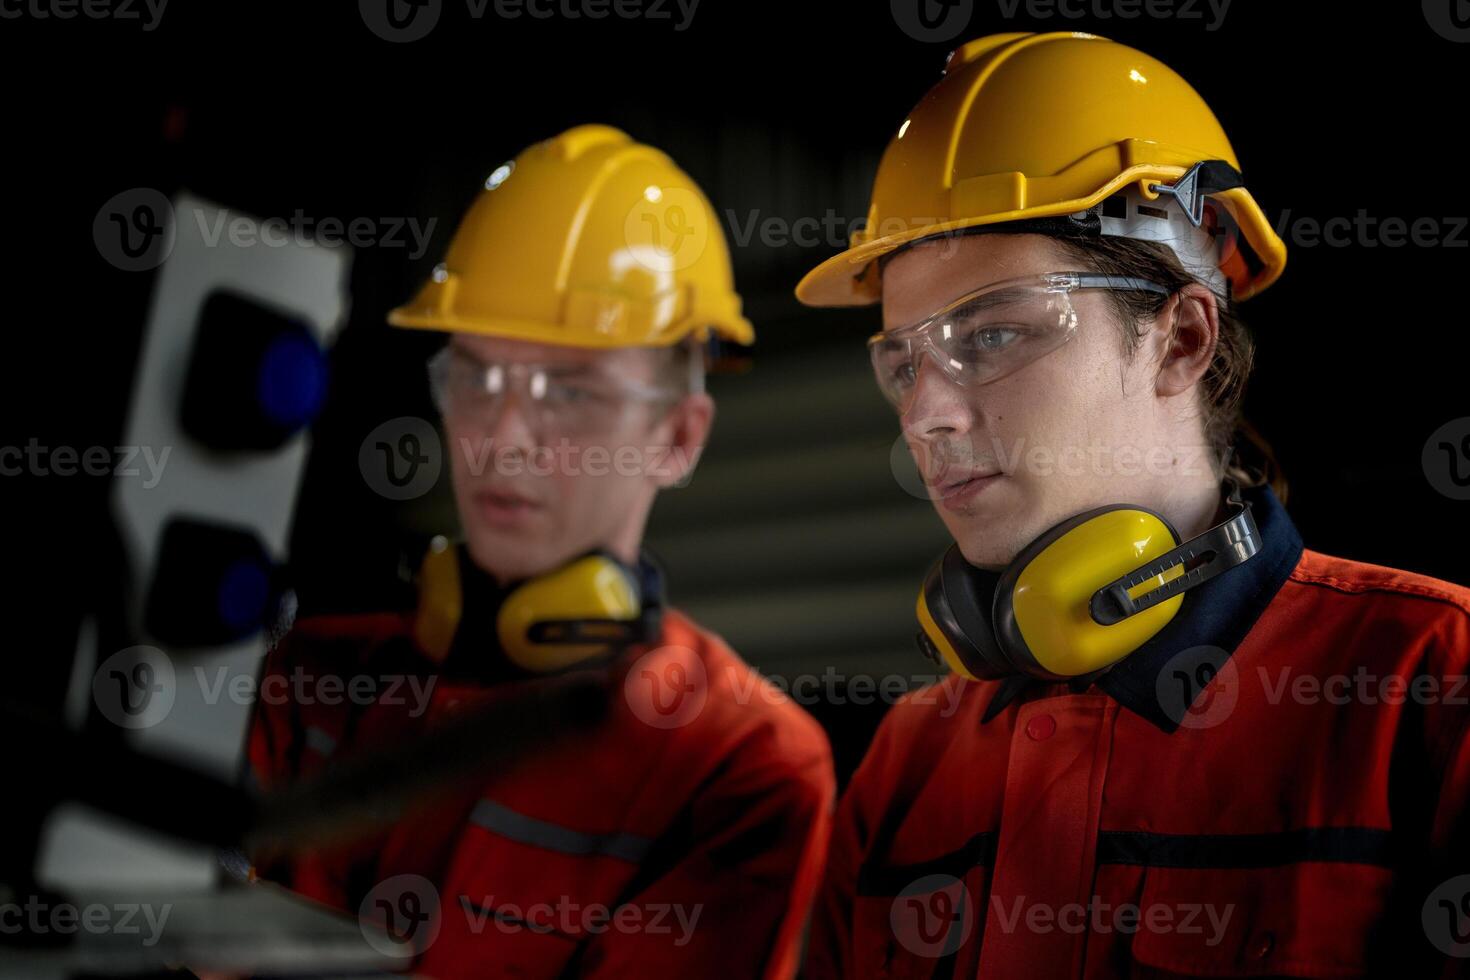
{"points": [[682, 836], [1259, 791]]}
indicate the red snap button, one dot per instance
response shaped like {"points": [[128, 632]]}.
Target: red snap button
{"points": [[1262, 945], [1041, 727]]}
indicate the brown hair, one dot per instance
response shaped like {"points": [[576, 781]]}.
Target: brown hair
{"points": [[681, 366], [1244, 454]]}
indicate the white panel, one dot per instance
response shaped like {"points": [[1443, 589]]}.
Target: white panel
{"points": [[255, 490]]}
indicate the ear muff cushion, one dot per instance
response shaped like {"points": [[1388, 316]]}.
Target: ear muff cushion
{"points": [[959, 598], [1055, 575], [441, 601]]}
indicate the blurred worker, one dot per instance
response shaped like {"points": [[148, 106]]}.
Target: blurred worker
{"points": [[682, 834], [1140, 779]]}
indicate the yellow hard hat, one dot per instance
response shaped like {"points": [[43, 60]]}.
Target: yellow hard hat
{"points": [[1026, 126], [589, 240]]}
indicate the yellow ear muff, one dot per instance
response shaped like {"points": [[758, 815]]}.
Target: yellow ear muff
{"points": [[936, 642], [1081, 597], [1042, 613], [572, 614], [954, 611], [441, 600]]}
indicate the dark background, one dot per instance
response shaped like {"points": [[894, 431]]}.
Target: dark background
{"points": [[795, 541]]}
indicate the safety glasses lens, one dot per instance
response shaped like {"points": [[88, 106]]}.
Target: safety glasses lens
{"points": [[976, 341]]}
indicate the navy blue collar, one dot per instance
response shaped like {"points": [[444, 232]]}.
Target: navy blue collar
{"points": [[1162, 679]]}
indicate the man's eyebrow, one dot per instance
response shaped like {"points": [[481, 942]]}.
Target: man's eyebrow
{"points": [[559, 370], [575, 371], [998, 297], [464, 351], [969, 303]]}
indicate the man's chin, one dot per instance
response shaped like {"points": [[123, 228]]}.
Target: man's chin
{"points": [[509, 559], [988, 559], [992, 542]]}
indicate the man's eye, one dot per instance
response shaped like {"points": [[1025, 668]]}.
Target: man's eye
{"points": [[569, 394], [468, 379], [895, 369], [989, 340]]}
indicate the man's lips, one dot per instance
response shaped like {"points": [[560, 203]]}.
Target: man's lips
{"points": [[958, 490], [505, 507], [954, 481]]}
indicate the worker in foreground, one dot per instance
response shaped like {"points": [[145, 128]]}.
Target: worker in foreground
{"points": [[680, 835], [1186, 745]]}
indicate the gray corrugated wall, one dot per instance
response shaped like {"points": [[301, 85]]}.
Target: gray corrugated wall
{"points": [[795, 539]]}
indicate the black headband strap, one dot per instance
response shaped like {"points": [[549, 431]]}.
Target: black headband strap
{"points": [[1221, 548]]}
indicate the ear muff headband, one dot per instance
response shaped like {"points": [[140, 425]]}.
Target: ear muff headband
{"points": [[1198, 560]]}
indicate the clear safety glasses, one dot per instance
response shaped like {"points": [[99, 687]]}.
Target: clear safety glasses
{"points": [[564, 400], [989, 333]]}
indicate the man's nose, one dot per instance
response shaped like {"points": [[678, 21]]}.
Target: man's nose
{"points": [[513, 425], [939, 408]]}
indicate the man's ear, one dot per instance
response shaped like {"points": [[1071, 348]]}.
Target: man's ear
{"points": [[688, 424], [1189, 328]]}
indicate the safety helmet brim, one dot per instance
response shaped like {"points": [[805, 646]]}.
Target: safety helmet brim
{"points": [[851, 277]]}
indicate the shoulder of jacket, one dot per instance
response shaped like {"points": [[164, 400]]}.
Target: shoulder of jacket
{"points": [[1420, 605], [744, 704], [1355, 578]]}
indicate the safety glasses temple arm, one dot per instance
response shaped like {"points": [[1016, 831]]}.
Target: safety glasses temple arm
{"points": [[1119, 282]]}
